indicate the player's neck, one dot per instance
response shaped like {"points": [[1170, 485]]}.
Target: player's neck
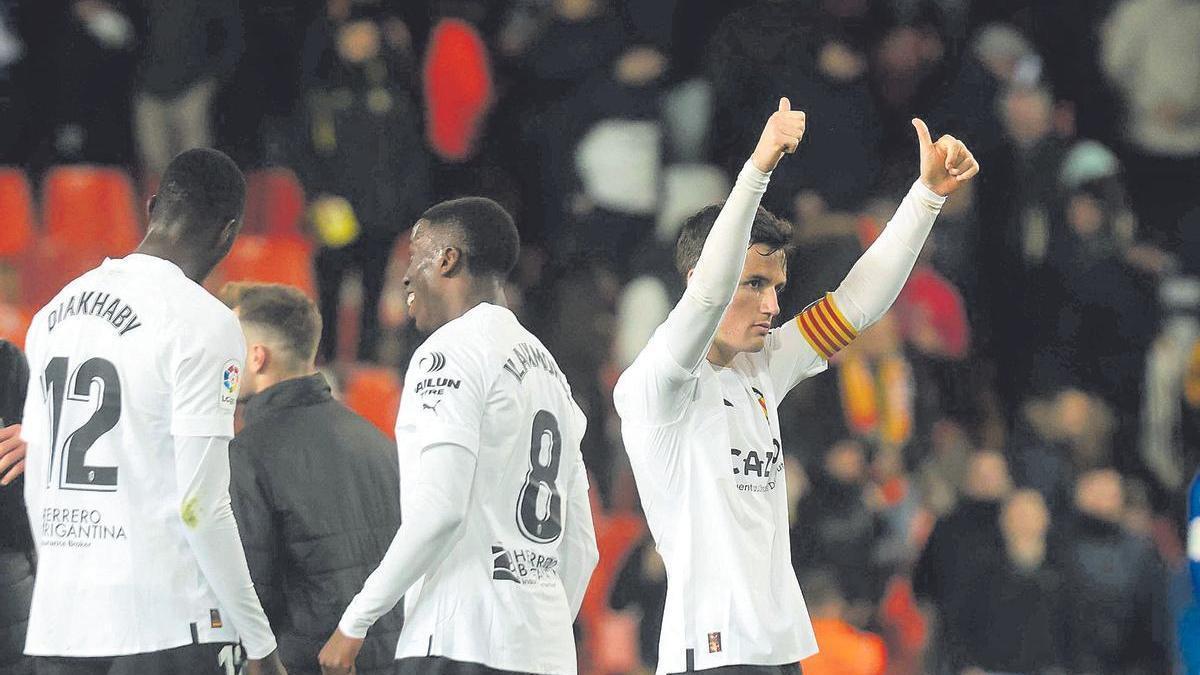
{"points": [[721, 355], [191, 265], [474, 294]]}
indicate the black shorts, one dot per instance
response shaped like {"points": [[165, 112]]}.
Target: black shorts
{"points": [[788, 669], [440, 665], [186, 660]]}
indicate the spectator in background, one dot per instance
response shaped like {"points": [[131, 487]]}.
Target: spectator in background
{"points": [[1148, 49], [16, 543], [1096, 313], [845, 650], [774, 44], [1057, 438], [1115, 587], [837, 528], [315, 488], [962, 542], [364, 165], [642, 584], [189, 48], [1013, 618], [14, 94]]}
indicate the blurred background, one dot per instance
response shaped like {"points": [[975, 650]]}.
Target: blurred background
{"points": [[993, 479]]}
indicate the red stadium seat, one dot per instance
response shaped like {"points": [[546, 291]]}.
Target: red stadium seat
{"points": [[267, 259], [51, 264], [93, 208], [14, 324], [458, 88], [274, 202], [374, 393], [16, 213]]}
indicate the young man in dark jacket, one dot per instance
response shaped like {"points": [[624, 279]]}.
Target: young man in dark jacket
{"points": [[16, 545], [315, 488]]}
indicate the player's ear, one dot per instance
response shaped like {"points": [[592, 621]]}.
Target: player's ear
{"points": [[257, 358], [689, 275], [451, 261], [150, 206]]}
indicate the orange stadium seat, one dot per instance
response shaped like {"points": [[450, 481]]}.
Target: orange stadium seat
{"points": [[93, 209], [374, 393], [268, 259], [14, 323], [52, 264], [16, 213], [616, 536], [274, 202]]}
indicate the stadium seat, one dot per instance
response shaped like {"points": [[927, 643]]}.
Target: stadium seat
{"points": [[458, 89], [51, 264], [268, 259], [616, 537], [16, 213], [93, 208], [374, 393], [14, 323], [274, 202]]}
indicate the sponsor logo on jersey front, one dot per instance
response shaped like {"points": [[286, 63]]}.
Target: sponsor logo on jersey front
{"points": [[755, 470], [437, 386], [77, 528], [524, 566], [433, 362], [231, 381]]}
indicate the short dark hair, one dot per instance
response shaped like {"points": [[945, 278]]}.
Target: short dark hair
{"points": [[283, 310], [487, 236], [768, 229], [201, 188]]}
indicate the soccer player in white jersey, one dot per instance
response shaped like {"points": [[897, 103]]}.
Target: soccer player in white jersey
{"points": [[496, 547], [698, 408], [128, 420]]}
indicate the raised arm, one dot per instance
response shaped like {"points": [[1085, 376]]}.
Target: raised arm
{"points": [[872, 285], [689, 330], [877, 278]]}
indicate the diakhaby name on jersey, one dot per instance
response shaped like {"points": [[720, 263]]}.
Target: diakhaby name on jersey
{"points": [[98, 304]]}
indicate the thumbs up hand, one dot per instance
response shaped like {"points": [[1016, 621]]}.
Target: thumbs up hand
{"points": [[946, 164], [782, 134]]}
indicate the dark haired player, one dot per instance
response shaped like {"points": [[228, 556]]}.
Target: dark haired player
{"points": [[128, 419], [496, 546], [698, 408]]}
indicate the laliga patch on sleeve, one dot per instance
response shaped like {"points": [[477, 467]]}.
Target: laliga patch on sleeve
{"points": [[231, 380]]}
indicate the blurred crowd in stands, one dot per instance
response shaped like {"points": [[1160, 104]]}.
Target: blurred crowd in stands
{"points": [[992, 479]]}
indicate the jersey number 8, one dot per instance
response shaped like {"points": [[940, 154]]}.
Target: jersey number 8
{"points": [[539, 505]]}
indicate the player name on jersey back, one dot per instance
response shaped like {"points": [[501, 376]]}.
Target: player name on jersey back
{"points": [[99, 304]]}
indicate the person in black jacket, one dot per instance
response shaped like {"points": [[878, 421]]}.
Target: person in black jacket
{"points": [[362, 152], [16, 544], [315, 488]]}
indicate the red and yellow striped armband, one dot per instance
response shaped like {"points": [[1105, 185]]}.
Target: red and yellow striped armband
{"points": [[825, 327]]}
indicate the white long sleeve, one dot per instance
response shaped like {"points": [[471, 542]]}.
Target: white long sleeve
{"points": [[875, 281], [579, 554], [430, 526], [202, 478], [691, 326]]}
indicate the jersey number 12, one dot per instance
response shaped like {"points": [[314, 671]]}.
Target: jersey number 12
{"points": [[73, 471]]}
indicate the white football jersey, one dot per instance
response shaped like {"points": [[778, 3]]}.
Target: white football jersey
{"points": [[121, 359], [707, 457], [483, 381]]}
